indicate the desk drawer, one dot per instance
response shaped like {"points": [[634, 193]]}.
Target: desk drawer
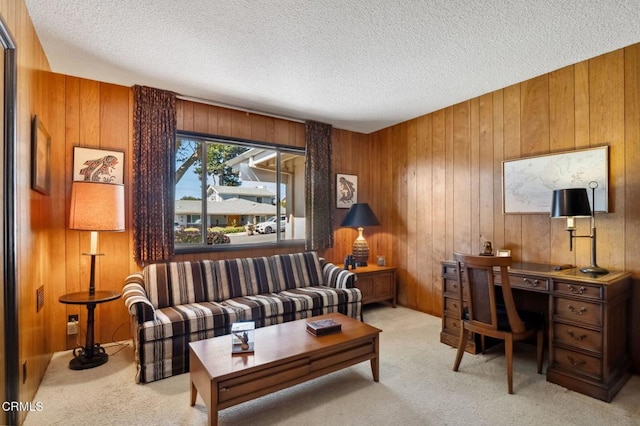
{"points": [[578, 310], [452, 325], [577, 336], [452, 306], [528, 283], [451, 287], [575, 361], [449, 270], [586, 291]]}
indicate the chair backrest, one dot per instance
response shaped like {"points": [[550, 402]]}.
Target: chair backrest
{"points": [[482, 302]]}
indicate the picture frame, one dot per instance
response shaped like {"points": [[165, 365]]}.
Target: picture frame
{"points": [[40, 157], [503, 253], [98, 165], [528, 183], [346, 190]]}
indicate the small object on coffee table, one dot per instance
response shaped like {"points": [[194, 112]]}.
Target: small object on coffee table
{"points": [[323, 327], [242, 337]]}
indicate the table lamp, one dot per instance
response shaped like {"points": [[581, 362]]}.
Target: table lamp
{"points": [[360, 215], [572, 203], [96, 207]]}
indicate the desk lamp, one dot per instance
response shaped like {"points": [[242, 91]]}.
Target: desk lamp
{"points": [[360, 215], [96, 207], [572, 203]]}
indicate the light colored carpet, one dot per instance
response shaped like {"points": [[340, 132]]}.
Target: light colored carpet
{"points": [[417, 387]]}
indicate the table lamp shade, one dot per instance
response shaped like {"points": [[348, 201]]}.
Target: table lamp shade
{"points": [[570, 202], [97, 207], [360, 214]]}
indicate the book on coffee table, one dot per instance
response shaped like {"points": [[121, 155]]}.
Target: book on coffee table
{"points": [[323, 326]]}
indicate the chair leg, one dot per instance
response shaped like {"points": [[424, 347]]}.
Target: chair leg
{"points": [[462, 342], [540, 350], [508, 352]]}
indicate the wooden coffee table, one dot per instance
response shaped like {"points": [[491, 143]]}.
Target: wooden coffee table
{"points": [[285, 355]]}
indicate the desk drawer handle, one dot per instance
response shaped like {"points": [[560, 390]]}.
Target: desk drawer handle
{"points": [[534, 283], [580, 311], [575, 336], [573, 290], [576, 363]]}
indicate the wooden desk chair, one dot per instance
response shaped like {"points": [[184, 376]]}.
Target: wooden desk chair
{"points": [[487, 315]]}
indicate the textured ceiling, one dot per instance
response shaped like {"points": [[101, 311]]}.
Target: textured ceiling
{"points": [[359, 65]]}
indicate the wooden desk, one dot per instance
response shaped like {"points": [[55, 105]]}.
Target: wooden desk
{"points": [[587, 324]]}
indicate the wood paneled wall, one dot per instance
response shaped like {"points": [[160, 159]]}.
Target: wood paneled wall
{"points": [[445, 175]]}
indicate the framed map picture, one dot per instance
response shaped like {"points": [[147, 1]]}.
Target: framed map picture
{"points": [[528, 183], [346, 190], [98, 165]]}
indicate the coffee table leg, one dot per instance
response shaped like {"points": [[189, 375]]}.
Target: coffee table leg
{"points": [[375, 362], [213, 404]]}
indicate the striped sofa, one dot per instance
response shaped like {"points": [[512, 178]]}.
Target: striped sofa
{"points": [[172, 304]]}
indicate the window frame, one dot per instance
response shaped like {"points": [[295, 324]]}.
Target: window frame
{"points": [[279, 148]]}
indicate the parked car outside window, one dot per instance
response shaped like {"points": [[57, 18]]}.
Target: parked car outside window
{"points": [[269, 226]]}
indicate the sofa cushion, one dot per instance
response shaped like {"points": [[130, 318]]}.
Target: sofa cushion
{"points": [[316, 299], [297, 270], [260, 307], [188, 319], [244, 277], [177, 283]]}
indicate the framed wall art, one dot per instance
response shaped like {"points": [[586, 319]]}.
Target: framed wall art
{"points": [[40, 157], [528, 183], [98, 165], [346, 190]]}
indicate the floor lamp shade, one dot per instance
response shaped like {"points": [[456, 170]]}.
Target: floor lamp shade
{"points": [[97, 207], [359, 216]]}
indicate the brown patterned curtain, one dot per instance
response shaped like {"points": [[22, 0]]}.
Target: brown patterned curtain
{"points": [[319, 214], [154, 141]]}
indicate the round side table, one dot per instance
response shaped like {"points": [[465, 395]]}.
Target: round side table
{"points": [[91, 354]]}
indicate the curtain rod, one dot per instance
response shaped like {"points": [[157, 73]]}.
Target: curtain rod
{"points": [[251, 111]]}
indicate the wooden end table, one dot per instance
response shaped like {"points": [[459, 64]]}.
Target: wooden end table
{"points": [[91, 354], [285, 355], [377, 283]]}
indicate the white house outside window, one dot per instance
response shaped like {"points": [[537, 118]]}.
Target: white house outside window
{"points": [[230, 193]]}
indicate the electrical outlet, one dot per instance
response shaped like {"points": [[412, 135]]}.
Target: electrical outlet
{"points": [[72, 325]]}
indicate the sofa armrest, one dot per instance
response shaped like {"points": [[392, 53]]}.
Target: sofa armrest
{"points": [[337, 277], [136, 299]]}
